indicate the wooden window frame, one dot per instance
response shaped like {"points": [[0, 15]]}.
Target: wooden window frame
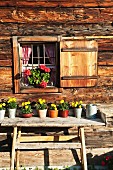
{"points": [[64, 81], [16, 42]]}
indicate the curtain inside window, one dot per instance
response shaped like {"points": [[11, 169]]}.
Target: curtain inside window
{"points": [[26, 52], [50, 52]]}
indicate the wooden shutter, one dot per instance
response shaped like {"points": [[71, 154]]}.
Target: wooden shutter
{"points": [[78, 63]]}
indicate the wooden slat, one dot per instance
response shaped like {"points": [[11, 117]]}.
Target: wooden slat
{"points": [[13, 148], [41, 90], [16, 65], [83, 149], [46, 138], [78, 77], [47, 145], [78, 49], [38, 38]]}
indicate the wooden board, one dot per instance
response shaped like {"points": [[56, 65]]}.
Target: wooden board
{"points": [[78, 63], [51, 122]]}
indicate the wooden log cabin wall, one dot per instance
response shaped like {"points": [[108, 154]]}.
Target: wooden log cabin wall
{"points": [[87, 18], [65, 18]]}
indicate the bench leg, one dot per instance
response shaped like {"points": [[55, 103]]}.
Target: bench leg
{"points": [[83, 149], [18, 151], [13, 148]]}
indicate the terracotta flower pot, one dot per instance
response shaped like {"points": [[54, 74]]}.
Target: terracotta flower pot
{"points": [[27, 115], [63, 113], [53, 113]]}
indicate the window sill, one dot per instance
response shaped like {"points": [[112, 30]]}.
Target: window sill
{"points": [[42, 90]]}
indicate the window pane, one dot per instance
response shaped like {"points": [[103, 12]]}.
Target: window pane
{"points": [[35, 54]]}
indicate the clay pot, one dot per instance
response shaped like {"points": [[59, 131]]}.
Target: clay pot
{"points": [[53, 113], [63, 113], [27, 115]]}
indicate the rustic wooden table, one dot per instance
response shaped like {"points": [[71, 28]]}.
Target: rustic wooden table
{"points": [[57, 124]]}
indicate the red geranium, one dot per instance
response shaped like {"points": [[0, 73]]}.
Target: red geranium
{"points": [[103, 163], [47, 70], [38, 76], [108, 161], [27, 72], [43, 84], [42, 67]]}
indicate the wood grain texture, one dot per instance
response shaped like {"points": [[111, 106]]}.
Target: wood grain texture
{"points": [[56, 15], [57, 3]]}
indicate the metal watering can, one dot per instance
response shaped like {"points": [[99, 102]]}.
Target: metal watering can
{"points": [[91, 111]]}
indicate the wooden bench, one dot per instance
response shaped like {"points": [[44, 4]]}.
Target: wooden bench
{"points": [[55, 141]]}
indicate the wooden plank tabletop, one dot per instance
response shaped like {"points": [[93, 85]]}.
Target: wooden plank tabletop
{"points": [[51, 122], [107, 109]]}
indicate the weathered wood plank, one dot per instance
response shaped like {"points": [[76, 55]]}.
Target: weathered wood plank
{"points": [[57, 3], [56, 15], [5, 62], [46, 138], [51, 145], [48, 122], [5, 76], [105, 71]]}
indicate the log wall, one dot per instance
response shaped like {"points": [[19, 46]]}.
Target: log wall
{"points": [[66, 18]]}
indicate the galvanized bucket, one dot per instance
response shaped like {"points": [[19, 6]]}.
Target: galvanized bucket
{"points": [[91, 111]]}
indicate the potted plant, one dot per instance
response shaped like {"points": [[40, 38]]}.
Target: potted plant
{"points": [[41, 107], [38, 77], [26, 109], [11, 106], [77, 108], [2, 110], [52, 110], [63, 108]]}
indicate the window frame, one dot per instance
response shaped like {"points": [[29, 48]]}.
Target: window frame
{"points": [[71, 80], [17, 40]]}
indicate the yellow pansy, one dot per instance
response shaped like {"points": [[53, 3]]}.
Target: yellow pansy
{"points": [[80, 102], [23, 103], [73, 104], [61, 101], [43, 100], [76, 103], [3, 104], [26, 107], [28, 102], [40, 100]]}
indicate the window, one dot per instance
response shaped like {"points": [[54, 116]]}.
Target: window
{"points": [[36, 54], [73, 63]]}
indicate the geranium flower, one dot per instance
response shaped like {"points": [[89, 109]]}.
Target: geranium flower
{"points": [[27, 72], [103, 163], [42, 66], [39, 76], [43, 84]]}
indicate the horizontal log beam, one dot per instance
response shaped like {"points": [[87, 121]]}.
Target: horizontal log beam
{"points": [[56, 15], [58, 3]]}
